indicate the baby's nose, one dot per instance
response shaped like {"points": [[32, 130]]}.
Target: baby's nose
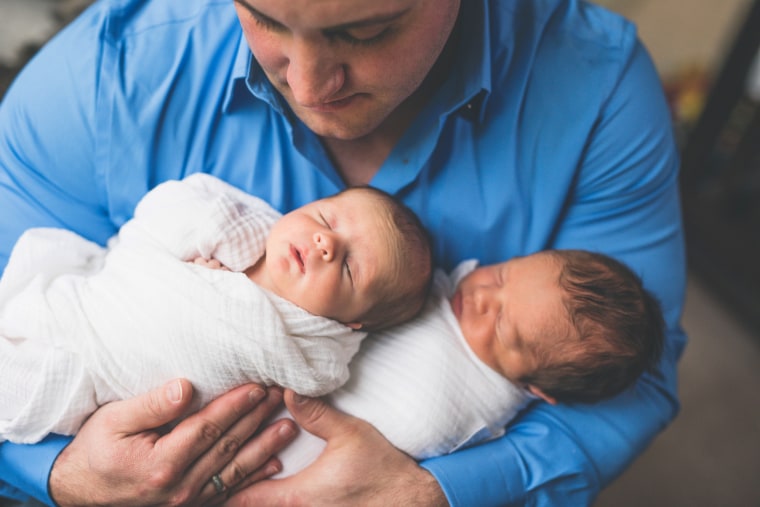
{"points": [[483, 299], [325, 244]]}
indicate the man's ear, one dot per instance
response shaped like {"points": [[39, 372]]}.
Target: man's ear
{"points": [[355, 325], [535, 391]]}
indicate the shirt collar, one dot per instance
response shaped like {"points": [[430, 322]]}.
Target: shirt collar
{"points": [[468, 87], [470, 84], [248, 79], [239, 73]]}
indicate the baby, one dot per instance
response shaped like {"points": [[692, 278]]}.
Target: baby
{"points": [[81, 325], [559, 325]]}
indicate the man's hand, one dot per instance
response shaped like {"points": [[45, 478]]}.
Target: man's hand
{"points": [[122, 457], [358, 467]]}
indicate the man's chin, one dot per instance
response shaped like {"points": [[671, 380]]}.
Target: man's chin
{"points": [[349, 125], [339, 131]]}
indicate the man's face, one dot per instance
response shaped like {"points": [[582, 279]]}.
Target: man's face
{"points": [[326, 256], [508, 311], [344, 66]]}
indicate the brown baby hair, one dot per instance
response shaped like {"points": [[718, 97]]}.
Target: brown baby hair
{"points": [[619, 331], [401, 296]]}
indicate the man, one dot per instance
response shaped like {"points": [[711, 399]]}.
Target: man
{"points": [[509, 126]]}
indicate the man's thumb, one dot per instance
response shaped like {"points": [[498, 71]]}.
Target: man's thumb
{"points": [[152, 409], [315, 415]]}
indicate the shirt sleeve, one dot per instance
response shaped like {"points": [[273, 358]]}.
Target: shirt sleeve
{"points": [[626, 204], [46, 143], [24, 469], [48, 173]]}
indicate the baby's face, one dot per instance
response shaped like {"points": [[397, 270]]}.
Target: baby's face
{"points": [[507, 311], [325, 256]]}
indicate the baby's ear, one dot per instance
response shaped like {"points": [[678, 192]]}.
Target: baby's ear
{"points": [[354, 325], [535, 391]]}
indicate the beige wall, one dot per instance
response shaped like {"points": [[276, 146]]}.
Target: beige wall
{"points": [[683, 33]]}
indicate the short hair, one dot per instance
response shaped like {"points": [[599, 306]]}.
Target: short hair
{"points": [[401, 297], [619, 326]]}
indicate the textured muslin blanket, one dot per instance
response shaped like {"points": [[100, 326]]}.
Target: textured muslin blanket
{"points": [[82, 325], [421, 386]]}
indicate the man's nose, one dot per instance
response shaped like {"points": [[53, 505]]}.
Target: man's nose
{"points": [[326, 244], [313, 75]]}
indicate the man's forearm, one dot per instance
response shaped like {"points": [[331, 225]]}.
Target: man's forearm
{"points": [[561, 455]]}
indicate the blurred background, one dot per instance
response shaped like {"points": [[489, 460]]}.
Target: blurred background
{"points": [[705, 52]]}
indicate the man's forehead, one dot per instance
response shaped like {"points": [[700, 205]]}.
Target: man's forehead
{"points": [[327, 14]]}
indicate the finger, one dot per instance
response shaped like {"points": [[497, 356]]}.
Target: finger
{"points": [[270, 468], [267, 470], [265, 492], [275, 493], [233, 457], [257, 458], [316, 416], [151, 410], [196, 434], [230, 444]]}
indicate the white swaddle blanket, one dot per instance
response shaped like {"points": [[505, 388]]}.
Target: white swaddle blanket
{"points": [[421, 386], [81, 325]]}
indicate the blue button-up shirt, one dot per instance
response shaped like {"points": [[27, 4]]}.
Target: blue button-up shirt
{"points": [[551, 132]]}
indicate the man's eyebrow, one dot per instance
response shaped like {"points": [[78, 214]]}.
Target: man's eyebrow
{"points": [[253, 11], [372, 20]]}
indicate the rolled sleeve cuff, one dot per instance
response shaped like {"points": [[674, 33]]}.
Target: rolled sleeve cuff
{"points": [[24, 469], [466, 482]]}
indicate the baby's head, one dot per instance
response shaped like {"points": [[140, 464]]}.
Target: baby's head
{"points": [[569, 325], [619, 331], [359, 257]]}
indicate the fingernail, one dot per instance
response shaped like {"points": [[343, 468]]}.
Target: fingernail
{"points": [[286, 431], [256, 394], [298, 399], [272, 469], [174, 391]]}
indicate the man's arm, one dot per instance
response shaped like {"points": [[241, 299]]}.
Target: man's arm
{"points": [[36, 180], [625, 203], [614, 433], [49, 176]]}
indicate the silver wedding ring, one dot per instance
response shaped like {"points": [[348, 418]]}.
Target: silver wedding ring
{"points": [[218, 483]]}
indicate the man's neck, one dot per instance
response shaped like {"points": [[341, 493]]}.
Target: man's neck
{"points": [[358, 160]]}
